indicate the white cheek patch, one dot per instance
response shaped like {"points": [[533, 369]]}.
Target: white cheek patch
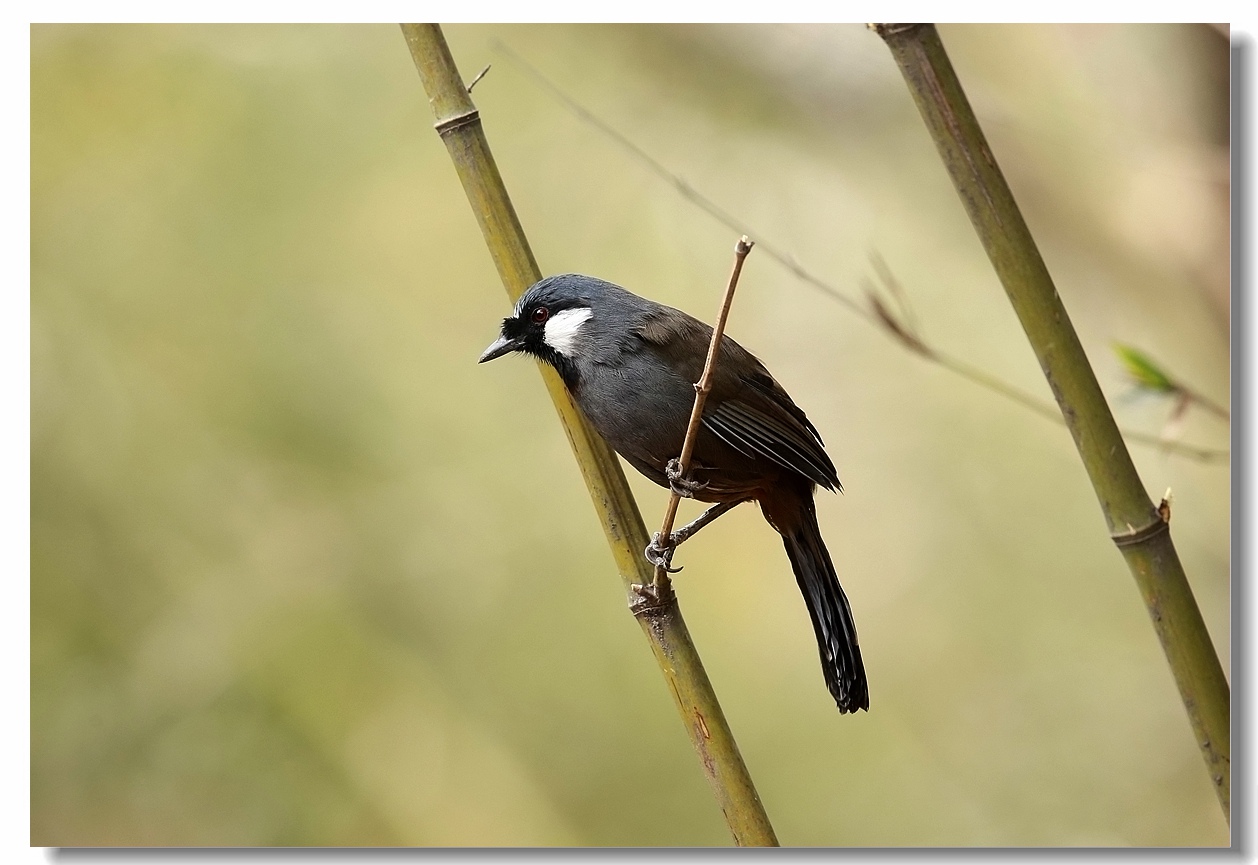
{"points": [[563, 327]]}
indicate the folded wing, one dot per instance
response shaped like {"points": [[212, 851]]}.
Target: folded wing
{"points": [[774, 435]]}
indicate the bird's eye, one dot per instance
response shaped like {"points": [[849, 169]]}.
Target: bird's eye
{"points": [[539, 315]]}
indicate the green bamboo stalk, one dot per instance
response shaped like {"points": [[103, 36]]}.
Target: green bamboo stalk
{"points": [[458, 123], [1140, 530]]}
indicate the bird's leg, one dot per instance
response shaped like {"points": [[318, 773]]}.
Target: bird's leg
{"points": [[679, 483], [660, 553], [690, 529]]}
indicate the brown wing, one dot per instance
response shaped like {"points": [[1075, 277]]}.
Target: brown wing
{"points": [[775, 436], [747, 409]]}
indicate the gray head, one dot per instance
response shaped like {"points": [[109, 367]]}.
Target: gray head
{"points": [[558, 316]]}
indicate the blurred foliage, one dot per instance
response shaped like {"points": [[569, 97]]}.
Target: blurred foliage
{"points": [[302, 573], [1143, 370]]}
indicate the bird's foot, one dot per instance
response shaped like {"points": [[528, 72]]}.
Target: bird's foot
{"points": [[681, 484], [660, 554]]}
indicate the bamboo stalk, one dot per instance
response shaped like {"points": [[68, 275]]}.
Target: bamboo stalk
{"points": [[1139, 529], [458, 123]]}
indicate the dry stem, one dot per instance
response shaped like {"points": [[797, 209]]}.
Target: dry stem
{"points": [[917, 345], [702, 387]]}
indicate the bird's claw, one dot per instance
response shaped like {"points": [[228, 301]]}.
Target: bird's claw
{"points": [[661, 555], [680, 484]]}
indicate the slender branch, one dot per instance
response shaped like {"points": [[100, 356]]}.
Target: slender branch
{"points": [[702, 388], [1140, 530], [1149, 375], [458, 123], [910, 338], [855, 307], [683, 186], [1205, 402], [479, 75]]}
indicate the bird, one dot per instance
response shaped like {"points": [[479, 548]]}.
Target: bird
{"points": [[631, 365]]}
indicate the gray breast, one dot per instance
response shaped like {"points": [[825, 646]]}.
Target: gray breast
{"points": [[639, 405]]}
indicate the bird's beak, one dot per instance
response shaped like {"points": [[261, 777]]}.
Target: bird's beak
{"points": [[502, 345]]}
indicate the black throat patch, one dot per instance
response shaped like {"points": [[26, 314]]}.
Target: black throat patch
{"points": [[563, 365]]}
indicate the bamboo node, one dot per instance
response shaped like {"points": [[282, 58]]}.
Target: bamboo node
{"points": [[888, 30], [458, 121], [653, 599], [1140, 535]]}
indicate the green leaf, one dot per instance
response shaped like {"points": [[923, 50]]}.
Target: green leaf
{"points": [[1143, 370]]}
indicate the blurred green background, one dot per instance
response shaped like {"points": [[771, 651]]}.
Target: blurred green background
{"points": [[303, 573]]}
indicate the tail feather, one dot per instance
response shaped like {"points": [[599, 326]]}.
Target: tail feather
{"points": [[831, 615]]}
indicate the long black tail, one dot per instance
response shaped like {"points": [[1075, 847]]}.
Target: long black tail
{"points": [[831, 616]]}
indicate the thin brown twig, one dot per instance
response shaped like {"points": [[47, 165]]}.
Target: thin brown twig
{"points": [[1204, 402], [904, 329], [702, 388], [878, 317], [479, 76]]}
